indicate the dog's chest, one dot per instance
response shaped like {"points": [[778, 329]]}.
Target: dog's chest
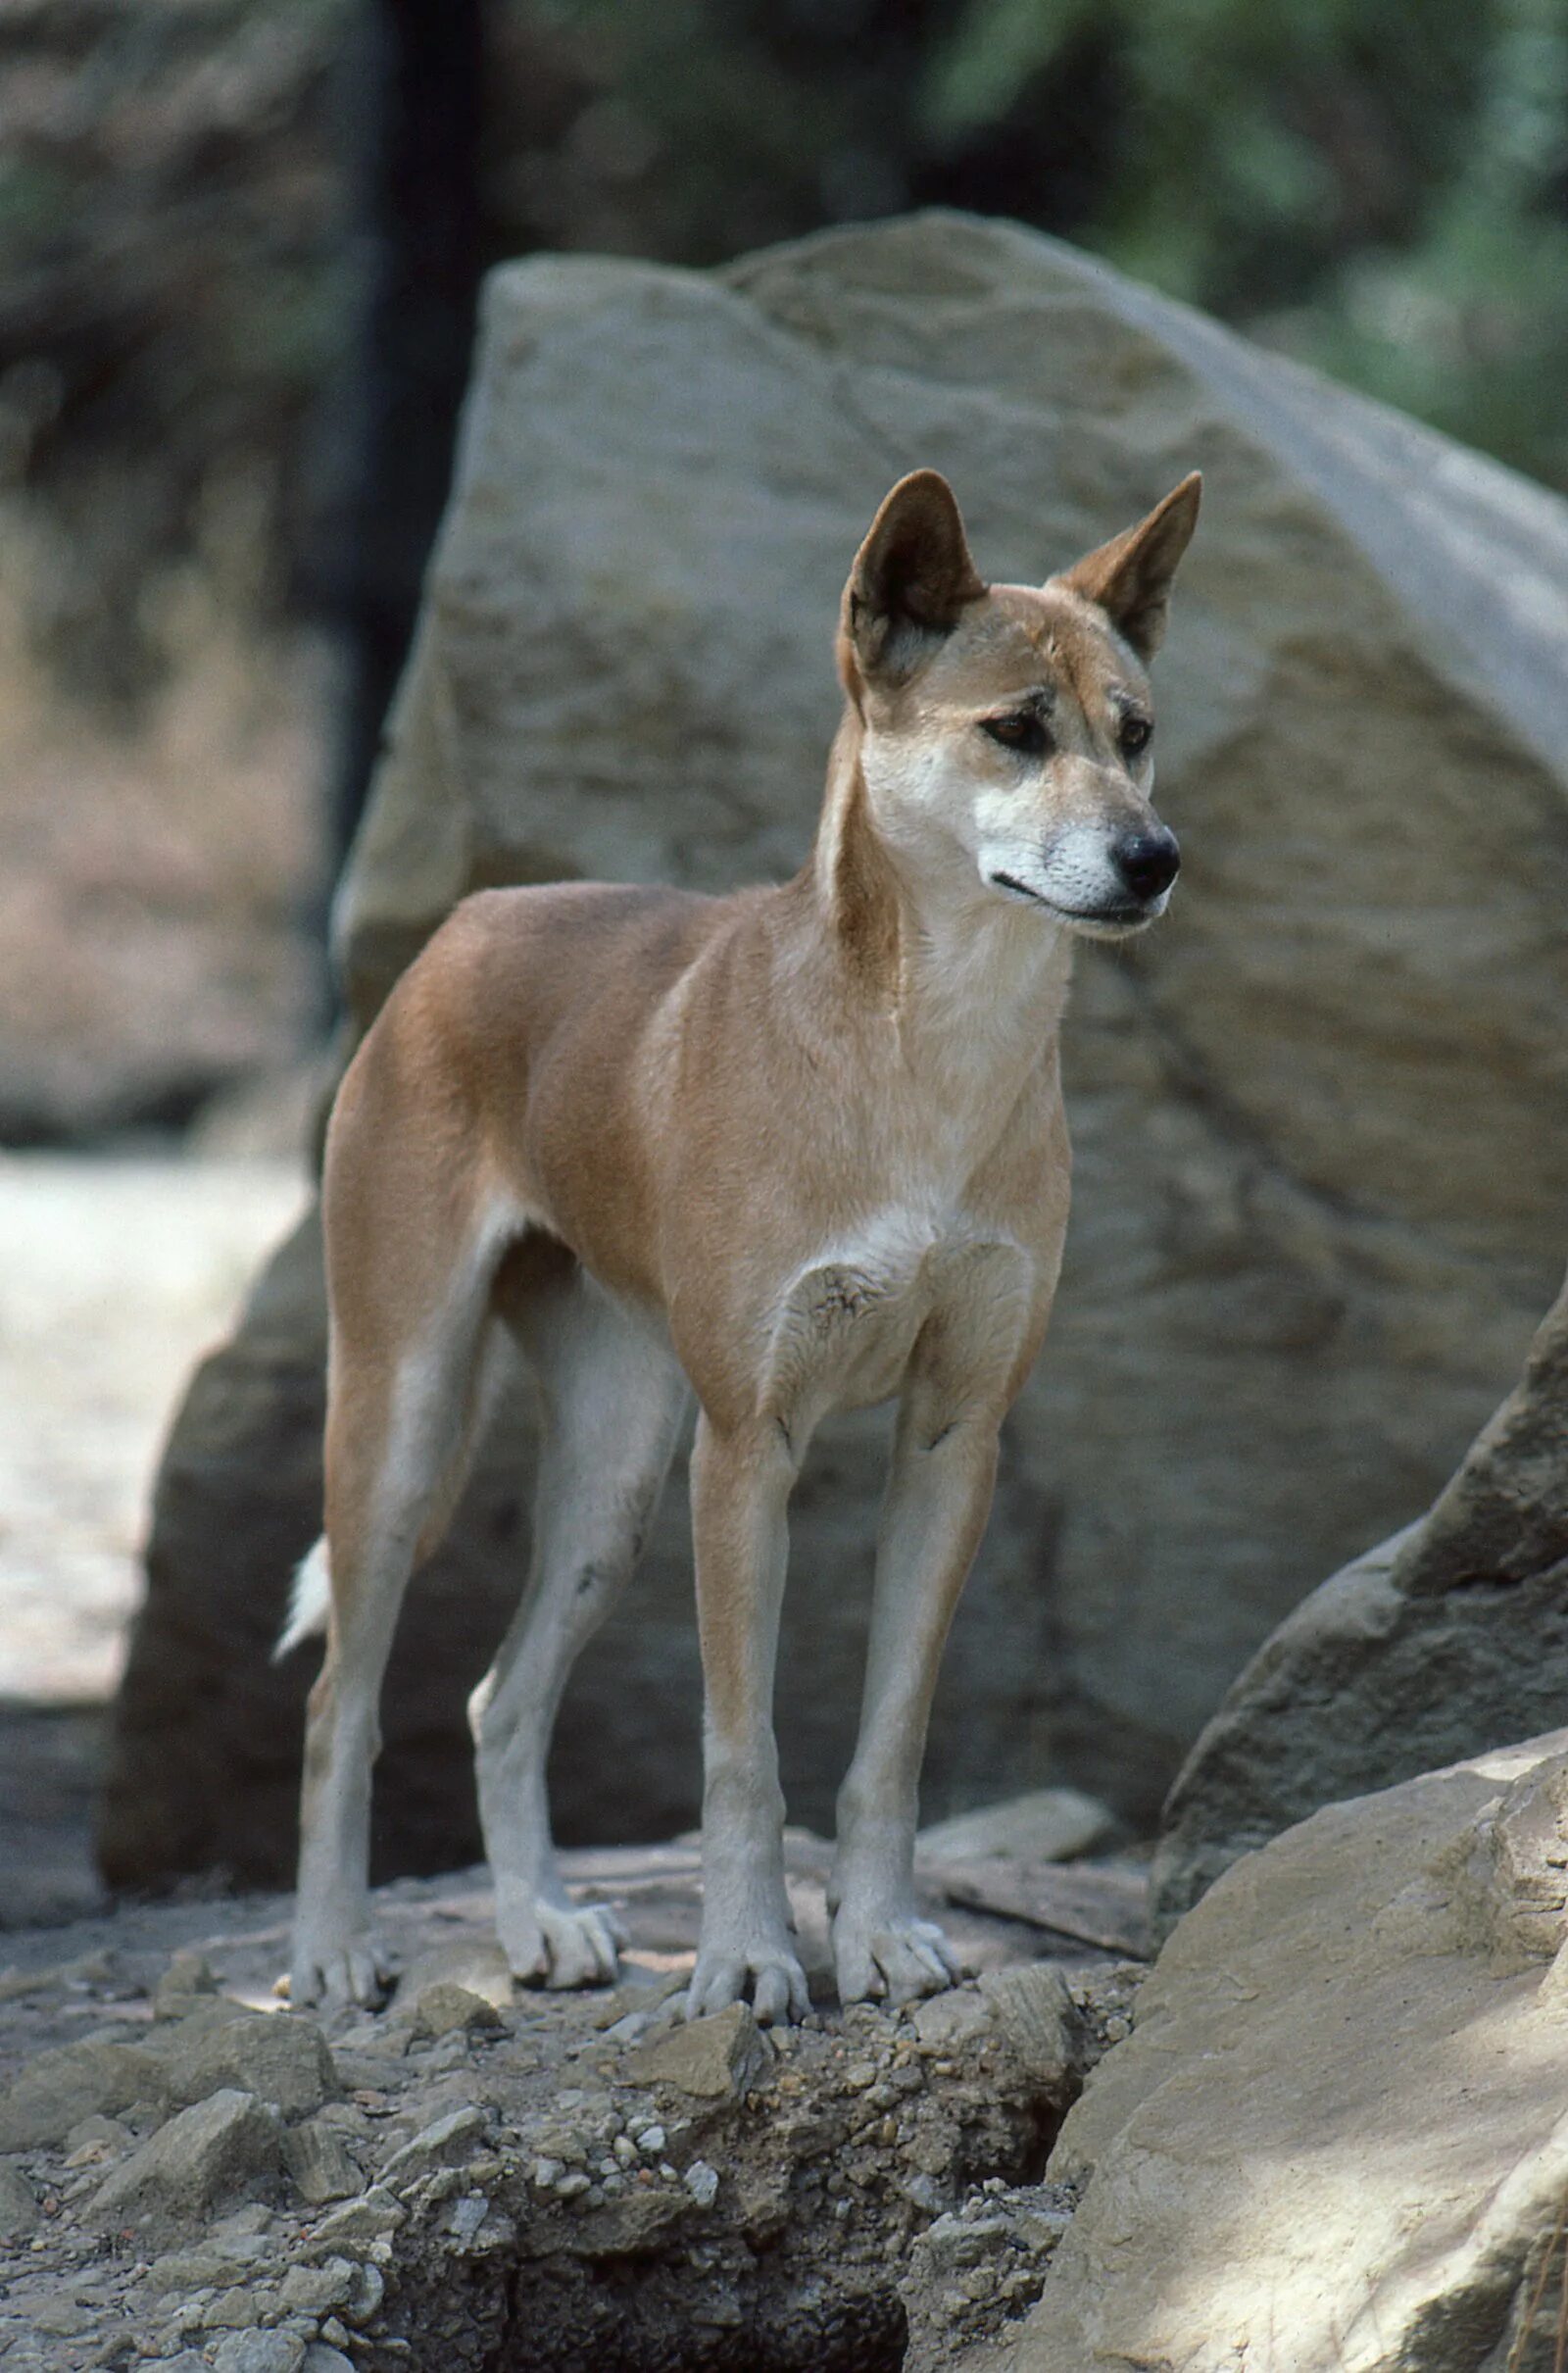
{"points": [[844, 1326]]}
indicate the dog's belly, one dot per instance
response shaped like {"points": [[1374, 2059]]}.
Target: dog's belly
{"points": [[845, 1331]]}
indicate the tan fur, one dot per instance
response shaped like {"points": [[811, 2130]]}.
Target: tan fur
{"points": [[796, 1149]]}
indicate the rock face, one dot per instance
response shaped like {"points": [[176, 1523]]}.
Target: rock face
{"points": [[1335, 2142], [1445, 1641], [1299, 1270]]}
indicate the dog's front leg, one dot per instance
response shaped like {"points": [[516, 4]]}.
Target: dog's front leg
{"points": [[741, 1482], [939, 1496]]}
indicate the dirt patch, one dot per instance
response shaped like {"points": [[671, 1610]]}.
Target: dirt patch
{"points": [[495, 2179]]}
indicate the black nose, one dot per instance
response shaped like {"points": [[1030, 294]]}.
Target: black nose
{"points": [[1148, 862]]}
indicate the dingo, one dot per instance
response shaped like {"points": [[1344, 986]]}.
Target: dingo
{"points": [[798, 1149]]}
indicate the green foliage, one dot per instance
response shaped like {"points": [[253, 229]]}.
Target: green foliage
{"points": [[1378, 186], [1381, 189]]}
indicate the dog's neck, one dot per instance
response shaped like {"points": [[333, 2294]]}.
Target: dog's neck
{"points": [[955, 969]]}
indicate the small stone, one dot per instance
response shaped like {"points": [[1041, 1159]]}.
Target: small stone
{"points": [[188, 1975], [474, 1965], [318, 2290], [61, 2319], [18, 2209], [260, 2353], [441, 2143], [212, 2149], [335, 2332], [318, 2162], [92, 2140], [714, 2058], [573, 2186], [320, 2358], [1032, 2011], [370, 2218], [207, 2264], [651, 2142], [701, 2182], [59, 2089], [280, 2057], [547, 2172], [369, 2289], [466, 2215], [952, 2022], [236, 2310], [448, 2009]]}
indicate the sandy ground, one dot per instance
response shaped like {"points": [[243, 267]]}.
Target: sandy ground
{"points": [[115, 1275]]}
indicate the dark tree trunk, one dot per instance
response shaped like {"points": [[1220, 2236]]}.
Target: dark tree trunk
{"points": [[414, 112]]}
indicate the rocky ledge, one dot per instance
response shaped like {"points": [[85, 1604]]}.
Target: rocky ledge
{"points": [[479, 2176]]}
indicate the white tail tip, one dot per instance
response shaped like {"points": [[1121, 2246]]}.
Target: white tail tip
{"points": [[309, 1603]]}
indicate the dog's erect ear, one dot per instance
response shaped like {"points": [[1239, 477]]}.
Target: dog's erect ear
{"points": [[1130, 578], [912, 577]]}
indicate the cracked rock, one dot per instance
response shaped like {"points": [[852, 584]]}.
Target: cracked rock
{"points": [[280, 2058], [204, 2153], [319, 2165], [717, 2057]]}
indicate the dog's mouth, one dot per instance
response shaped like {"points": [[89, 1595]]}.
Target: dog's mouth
{"points": [[1095, 923]]}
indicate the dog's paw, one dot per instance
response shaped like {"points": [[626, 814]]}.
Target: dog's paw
{"points": [[767, 1971], [895, 1960], [338, 1971], [561, 1945]]}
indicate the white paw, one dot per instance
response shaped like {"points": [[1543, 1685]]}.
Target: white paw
{"points": [[896, 1959], [767, 1970], [558, 1945], [344, 1969]]}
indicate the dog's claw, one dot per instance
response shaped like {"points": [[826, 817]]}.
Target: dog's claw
{"points": [[355, 1970], [775, 1978], [896, 1960], [561, 1946]]}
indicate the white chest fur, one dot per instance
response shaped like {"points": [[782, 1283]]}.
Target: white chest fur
{"points": [[849, 1322]]}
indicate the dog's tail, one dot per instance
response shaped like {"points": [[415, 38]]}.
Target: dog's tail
{"points": [[309, 1601]]}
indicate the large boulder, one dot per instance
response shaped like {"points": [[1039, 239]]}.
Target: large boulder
{"points": [[1335, 2141], [1444, 1641], [1319, 1165]]}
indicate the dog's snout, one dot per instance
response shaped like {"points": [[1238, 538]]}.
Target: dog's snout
{"points": [[1148, 862]]}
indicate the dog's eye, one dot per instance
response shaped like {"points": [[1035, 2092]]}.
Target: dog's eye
{"points": [[1022, 730], [1134, 733]]}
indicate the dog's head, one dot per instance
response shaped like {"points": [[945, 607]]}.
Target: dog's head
{"points": [[1007, 729]]}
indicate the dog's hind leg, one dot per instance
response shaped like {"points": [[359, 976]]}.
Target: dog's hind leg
{"points": [[613, 1397], [401, 1407]]}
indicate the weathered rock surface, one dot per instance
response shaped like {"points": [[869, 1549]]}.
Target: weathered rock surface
{"points": [[206, 2153], [1336, 2140], [1319, 1165], [575, 2181], [1450, 1639]]}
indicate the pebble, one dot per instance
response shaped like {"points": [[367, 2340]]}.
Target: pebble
{"points": [[369, 2290], [701, 2182], [466, 2215], [260, 2353], [18, 2209]]}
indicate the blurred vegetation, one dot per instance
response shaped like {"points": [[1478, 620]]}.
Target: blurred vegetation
{"points": [[1376, 186]]}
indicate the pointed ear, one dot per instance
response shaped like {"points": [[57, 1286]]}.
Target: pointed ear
{"points": [[912, 577], [1130, 578]]}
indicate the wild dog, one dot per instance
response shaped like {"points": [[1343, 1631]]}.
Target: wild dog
{"points": [[792, 1150]]}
